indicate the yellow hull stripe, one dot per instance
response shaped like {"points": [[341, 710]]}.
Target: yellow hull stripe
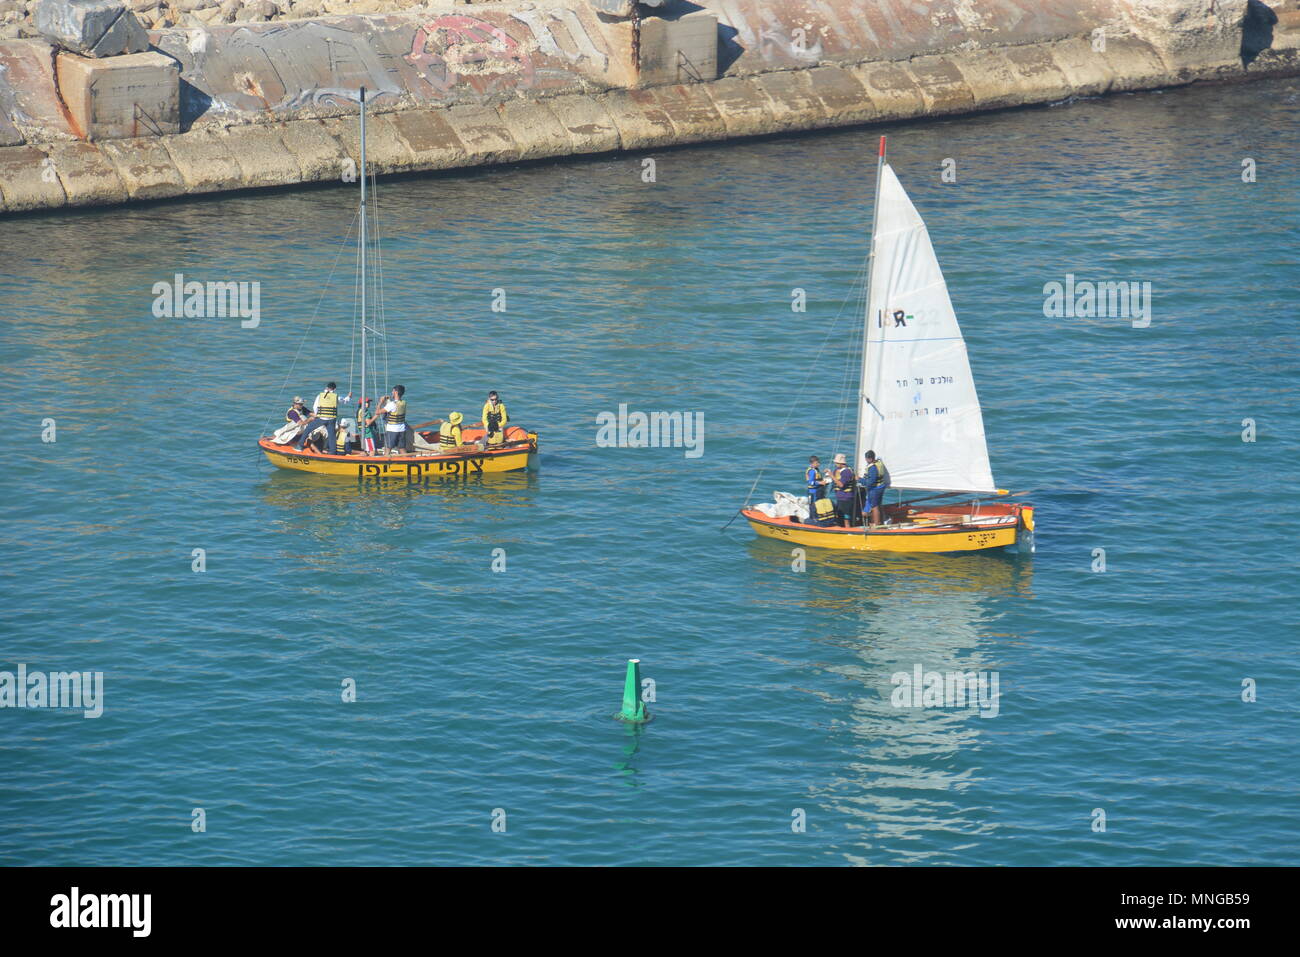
{"points": [[958, 540], [405, 468]]}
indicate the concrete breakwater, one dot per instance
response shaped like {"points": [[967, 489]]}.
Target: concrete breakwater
{"points": [[244, 105]]}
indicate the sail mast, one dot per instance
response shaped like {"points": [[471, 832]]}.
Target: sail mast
{"points": [[864, 400], [361, 434]]}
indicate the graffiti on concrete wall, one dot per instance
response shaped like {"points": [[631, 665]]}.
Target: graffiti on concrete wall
{"points": [[578, 49], [449, 50]]}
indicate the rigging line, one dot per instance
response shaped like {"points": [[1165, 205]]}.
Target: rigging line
{"points": [[381, 318], [799, 395], [852, 359], [303, 341], [356, 309]]}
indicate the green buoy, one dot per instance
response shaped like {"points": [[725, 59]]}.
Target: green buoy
{"points": [[634, 710]]}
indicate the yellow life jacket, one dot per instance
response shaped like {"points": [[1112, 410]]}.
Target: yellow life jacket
{"points": [[449, 435], [396, 416], [825, 508], [882, 473], [499, 413], [327, 405]]}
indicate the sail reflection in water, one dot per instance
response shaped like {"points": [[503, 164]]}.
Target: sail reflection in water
{"points": [[907, 766]]}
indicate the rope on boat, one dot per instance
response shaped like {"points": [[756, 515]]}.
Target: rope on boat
{"points": [[857, 283], [303, 341]]}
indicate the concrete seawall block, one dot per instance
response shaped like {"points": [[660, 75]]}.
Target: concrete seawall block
{"points": [[9, 134], [88, 177], [691, 111], [145, 166], [204, 161], [386, 151], [320, 156], [642, 123], [991, 78], [791, 98], [1087, 72], [430, 138], [1136, 65], [263, 158], [843, 97], [588, 123], [535, 129], [943, 87], [892, 88], [483, 133], [27, 88], [744, 108], [122, 96], [24, 182], [1037, 75]]}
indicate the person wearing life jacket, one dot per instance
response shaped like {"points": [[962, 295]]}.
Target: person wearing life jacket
{"points": [[875, 479], [816, 486], [495, 419], [346, 438], [449, 432], [393, 410], [844, 485], [297, 412], [324, 413]]}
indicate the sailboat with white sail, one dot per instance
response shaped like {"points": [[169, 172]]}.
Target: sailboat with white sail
{"points": [[917, 411], [426, 459]]}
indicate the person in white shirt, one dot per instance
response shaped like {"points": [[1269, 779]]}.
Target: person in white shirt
{"points": [[393, 409]]}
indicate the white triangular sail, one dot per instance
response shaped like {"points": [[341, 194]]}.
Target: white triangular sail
{"points": [[917, 408]]}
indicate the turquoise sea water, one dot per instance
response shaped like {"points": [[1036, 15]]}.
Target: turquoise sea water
{"points": [[1120, 690]]}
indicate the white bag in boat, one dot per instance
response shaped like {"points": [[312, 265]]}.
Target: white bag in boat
{"points": [[785, 505], [286, 433]]}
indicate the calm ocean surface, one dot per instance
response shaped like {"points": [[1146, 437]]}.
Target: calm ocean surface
{"points": [[478, 691]]}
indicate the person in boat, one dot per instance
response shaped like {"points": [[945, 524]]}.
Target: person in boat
{"points": [[821, 511], [347, 438], [295, 417], [368, 430], [449, 432], [324, 414], [393, 409], [298, 411], [844, 486], [495, 419], [875, 479], [813, 479]]}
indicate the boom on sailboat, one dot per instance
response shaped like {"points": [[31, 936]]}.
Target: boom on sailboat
{"points": [[917, 409], [424, 459]]}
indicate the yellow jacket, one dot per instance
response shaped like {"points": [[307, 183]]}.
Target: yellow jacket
{"points": [[499, 410]]}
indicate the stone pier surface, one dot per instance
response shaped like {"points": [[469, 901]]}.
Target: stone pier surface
{"points": [[230, 106]]}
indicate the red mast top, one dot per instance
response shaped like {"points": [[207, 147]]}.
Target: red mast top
{"points": [[882, 147]]}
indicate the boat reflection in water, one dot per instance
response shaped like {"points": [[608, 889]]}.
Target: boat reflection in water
{"points": [[317, 519], [904, 769]]}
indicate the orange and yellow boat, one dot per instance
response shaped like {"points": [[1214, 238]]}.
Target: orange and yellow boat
{"points": [[917, 409], [517, 452], [928, 528], [426, 461]]}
